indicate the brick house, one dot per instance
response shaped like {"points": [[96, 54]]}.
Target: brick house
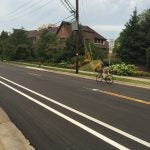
{"points": [[64, 31]]}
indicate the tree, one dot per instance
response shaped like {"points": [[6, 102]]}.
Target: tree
{"points": [[3, 44], [48, 47], [21, 45], [129, 42], [133, 43], [145, 30], [69, 52]]}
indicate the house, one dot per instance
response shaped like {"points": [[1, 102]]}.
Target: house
{"points": [[64, 31], [34, 35]]}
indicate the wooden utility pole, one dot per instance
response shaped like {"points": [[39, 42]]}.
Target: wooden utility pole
{"points": [[77, 36]]}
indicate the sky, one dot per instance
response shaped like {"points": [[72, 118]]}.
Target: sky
{"points": [[107, 17]]}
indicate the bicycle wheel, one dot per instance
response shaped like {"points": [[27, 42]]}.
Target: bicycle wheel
{"points": [[109, 79], [99, 77]]}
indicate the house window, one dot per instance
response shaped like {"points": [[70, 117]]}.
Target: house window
{"points": [[97, 41]]}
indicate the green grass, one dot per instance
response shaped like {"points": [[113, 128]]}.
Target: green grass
{"points": [[132, 81]]}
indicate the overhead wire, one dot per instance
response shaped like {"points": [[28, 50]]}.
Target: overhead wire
{"points": [[70, 5], [65, 5], [31, 11], [63, 19], [19, 8]]}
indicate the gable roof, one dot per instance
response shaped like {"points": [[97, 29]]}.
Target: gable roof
{"points": [[85, 29]]}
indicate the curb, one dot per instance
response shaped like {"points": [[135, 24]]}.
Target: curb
{"points": [[11, 137]]}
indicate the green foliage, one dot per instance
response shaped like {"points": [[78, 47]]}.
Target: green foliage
{"points": [[133, 42], [122, 69], [48, 47], [3, 44], [129, 42], [69, 52], [16, 46], [148, 58]]}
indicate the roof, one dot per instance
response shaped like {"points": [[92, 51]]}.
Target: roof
{"points": [[32, 33], [97, 35], [53, 29], [35, 33], [85, 28]]}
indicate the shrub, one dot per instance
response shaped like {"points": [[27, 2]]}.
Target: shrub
{"points": [[123, 69]]}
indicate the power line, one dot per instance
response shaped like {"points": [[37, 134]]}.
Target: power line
{"points": [[68, 6], [23, 15], [65, 5], [19, 7], [21, 11], [64, 19]]}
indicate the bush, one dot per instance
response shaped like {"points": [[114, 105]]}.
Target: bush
{"points": [[123, 69]]}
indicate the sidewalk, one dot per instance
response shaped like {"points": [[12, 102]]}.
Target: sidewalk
{"points": [[10, 137]]}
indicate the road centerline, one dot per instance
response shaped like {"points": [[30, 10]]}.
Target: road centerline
{"points": [[80, 125], [134, 138], [122, 96]]}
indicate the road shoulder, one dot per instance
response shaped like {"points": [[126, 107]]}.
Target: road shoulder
{"points": [[11, 137]]}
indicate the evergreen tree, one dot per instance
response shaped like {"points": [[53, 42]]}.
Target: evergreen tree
{"points": [[145, 34], [129, 48], [3, 44]]}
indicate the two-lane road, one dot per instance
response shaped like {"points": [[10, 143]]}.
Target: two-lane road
{"points": [[60, 112]]}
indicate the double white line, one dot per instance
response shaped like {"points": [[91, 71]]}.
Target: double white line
{"points": [[91, 131]]}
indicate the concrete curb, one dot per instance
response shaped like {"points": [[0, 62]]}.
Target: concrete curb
{"points": [[11, 137]]}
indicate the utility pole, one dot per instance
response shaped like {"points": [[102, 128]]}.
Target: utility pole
{"points": [[77, 36]]}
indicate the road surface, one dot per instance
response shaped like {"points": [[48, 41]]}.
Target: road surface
{"points": [[60, 112]]}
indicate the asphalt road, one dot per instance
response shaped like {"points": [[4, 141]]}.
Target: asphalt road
{"points": [[60, 112]]}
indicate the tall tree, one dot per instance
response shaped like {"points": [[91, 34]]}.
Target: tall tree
{"points": [[3, 44], [129, 46], [145, 33], [21, 45], [48, 47]]}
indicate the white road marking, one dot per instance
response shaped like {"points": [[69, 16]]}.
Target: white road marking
{"points": [[34, 74], [84, 127], [134, 138], [35, 68]]}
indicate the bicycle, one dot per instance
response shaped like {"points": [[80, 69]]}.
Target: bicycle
{"points": [[106, 76]]}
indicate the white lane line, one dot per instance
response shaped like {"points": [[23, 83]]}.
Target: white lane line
{"points": [[40, 69], [134, 138], [82, 126], [34, 74]]}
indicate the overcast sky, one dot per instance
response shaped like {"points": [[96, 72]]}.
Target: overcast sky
{"points": [[107, 17]]}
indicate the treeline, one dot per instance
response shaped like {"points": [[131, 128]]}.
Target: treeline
{"points": [[133, 44], [47, 49]]}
